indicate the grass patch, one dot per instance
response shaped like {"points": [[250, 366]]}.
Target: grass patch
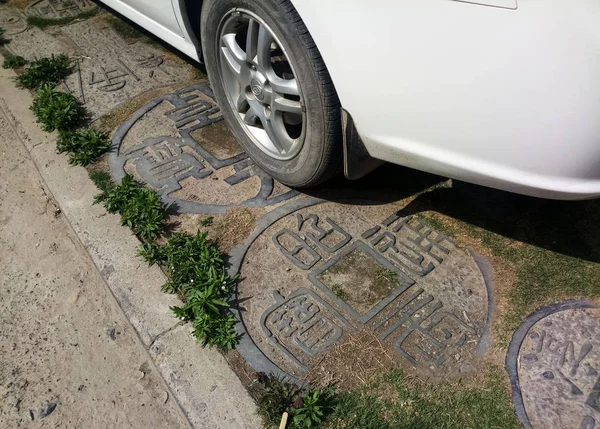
{"points": [[83, 146], [549, 247], [198, 276], [141, 209], [308, 407], [390, 403], [13, 62], [39, 22], [207, 221], [45, 71], [56, 110]]}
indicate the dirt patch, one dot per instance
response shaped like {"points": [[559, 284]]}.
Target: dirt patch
{"points": [[359, 280], [233, 227], [116, 117], [19, 4], [218, 140]]}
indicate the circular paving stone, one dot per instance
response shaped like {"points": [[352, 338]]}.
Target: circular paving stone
{"points": [[554, 365], [12, 21], [56, 9], [178, 145], [337, 290]]}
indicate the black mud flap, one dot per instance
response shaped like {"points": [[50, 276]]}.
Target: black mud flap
{"points": [[357, 161]]}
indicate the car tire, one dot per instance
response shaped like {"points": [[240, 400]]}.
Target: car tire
{"points": [[261, 48]]}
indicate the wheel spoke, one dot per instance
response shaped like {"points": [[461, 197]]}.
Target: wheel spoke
{"points": [[233, 53], [251, 117], [241, 103], [252, 40], [283, 86], [263, 53], [285, 105], [275, 129]]}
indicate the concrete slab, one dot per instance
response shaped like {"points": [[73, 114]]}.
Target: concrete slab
{"points": [[203, 382], [69, 358], [12, 21], [554, 365]]}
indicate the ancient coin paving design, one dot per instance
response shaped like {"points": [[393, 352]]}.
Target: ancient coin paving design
{"points": [[164, 162], [554, 364], [427, 330], [12, 21], [54, 9]]}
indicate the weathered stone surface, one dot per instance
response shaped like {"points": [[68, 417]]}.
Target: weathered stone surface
{"points": [[314, 273], [554, 365], [111, 71], [12, 21], [176, 145], [56, 9], [35, 43]]}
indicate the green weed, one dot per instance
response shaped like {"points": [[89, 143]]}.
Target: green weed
{"points": [[84, 146], [45, 71], [311, 413], [197, 274], [140, 208], [206, 221], [308, 407], [56, 110], [339, 292], [390, 275], [13, 62]]}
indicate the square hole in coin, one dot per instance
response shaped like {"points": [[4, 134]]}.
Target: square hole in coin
{"points": [[359, 280]]}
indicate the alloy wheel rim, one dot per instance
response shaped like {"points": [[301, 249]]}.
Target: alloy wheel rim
{"points": [[261, 85]]}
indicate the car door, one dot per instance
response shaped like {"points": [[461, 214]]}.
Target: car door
{"points": [[159, 11]]}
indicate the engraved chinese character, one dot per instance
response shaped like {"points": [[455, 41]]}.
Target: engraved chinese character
{"points": [[112, 79], [424, 335], [409, 244], [302, 325], [331, 239]]}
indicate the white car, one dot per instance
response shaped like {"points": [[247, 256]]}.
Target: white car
{"points": [[502, 93]]}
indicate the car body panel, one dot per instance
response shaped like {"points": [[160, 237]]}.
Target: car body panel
{"points": [[502, 97], [151, 21]]}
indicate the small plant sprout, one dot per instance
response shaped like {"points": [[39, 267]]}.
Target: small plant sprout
{"points": [[44, 71], [311, 413], [390, 275], [56, 110], [141, 210], [13, 62], [206, 221], [198, 276], [84, 146]]}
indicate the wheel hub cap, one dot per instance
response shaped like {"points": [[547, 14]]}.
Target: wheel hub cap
{"points": [[261, 86]]}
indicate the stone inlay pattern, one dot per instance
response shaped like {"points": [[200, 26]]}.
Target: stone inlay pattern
{"points": [[554, 366], [56, 9], [313, 273], [173, 156], [12, 21]]}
